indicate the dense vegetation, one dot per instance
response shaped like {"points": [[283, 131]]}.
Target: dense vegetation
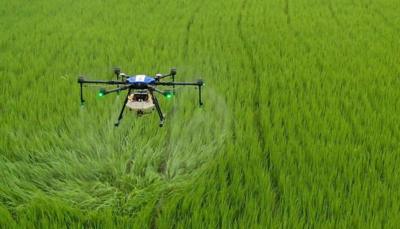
{"points": [[300, 126]]}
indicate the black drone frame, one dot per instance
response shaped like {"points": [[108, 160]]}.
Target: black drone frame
{"points": [[122, 84]]}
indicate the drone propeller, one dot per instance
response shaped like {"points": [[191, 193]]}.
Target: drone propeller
{"points": [[172, 73], [117, 72], [123, 75]]}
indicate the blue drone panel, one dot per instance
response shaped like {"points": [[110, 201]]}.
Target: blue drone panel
{"points": [[140, 79]]}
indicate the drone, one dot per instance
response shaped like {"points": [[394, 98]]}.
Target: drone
{"points": [[141, 97]]}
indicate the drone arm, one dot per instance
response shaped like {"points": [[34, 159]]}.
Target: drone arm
{"points": [[116, 90], [82, 80], [162, 76], [199, 84], [152, 88]]}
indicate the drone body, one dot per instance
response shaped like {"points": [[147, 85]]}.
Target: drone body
{"points": [[140, 97]]}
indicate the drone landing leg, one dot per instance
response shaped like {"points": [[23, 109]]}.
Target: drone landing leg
{"points": [[82, 100], [123, 108], [200, 102], [160, 114]]}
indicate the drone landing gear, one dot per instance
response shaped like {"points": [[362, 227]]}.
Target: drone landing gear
{"points": [[122, 110], [160, 114]]}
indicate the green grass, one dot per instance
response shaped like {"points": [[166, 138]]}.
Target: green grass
{"points": [[300, 126]]}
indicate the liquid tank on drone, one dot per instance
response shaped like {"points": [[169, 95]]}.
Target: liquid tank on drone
{"points": [[140, 102]]}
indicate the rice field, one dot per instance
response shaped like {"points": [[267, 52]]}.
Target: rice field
{"points": [[300, 127]]}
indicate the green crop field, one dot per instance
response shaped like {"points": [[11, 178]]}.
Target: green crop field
{"points": [[300, 127]]}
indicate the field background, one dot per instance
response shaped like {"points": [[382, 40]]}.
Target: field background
{"points": [[300, 126]]}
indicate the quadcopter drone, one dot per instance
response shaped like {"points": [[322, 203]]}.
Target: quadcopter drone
{"points": [[140, 97]]}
